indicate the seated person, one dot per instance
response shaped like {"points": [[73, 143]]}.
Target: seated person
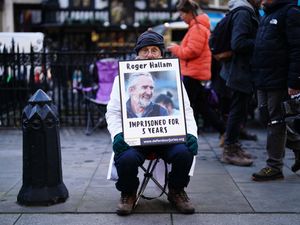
{"points": [[150, 45]]}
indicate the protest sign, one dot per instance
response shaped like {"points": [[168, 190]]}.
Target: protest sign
{"points": [[152, 102]]}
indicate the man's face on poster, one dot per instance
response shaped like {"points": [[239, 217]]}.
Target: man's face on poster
{"points": [[141, 93]]}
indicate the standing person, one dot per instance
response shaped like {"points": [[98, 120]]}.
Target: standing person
{"points": [[293, 143], [195, 61], [238, 76], [150, 45], [276, 62], [140, 90], [223, 92]]}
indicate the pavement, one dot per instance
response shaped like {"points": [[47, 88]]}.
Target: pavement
{"points": [[222, 194]]}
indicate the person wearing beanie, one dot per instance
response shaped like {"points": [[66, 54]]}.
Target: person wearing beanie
{"points": [[150, 38], [150, 45]]}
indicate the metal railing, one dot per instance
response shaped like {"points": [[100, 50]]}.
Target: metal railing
{"points": [[56, 73]]}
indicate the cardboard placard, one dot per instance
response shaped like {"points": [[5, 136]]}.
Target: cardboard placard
{"points": [[145, 121]]}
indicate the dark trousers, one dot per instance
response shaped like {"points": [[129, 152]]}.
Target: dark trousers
{"points": [[200, 105], [276, 129], [127, 164], [237, 116]]}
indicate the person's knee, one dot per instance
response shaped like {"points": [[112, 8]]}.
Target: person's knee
{"points": [[183, 154], [186, 155], [129, 157]]}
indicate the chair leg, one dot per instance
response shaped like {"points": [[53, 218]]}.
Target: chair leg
{"points": [[148, 174], [90, 123], [159, 185], [89, 120], [100, 121], [154, 180]]}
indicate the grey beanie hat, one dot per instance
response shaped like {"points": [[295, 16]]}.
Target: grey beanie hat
{"points": [[149, 38]]}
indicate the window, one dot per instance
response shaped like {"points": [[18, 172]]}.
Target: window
{"points": [[158, 4], [87, 4], [121, 12], [219, 3]]}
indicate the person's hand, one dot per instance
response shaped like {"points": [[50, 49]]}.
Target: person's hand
{"points": [[293, 91], [192, 144], [119, 145], [171, 45]]}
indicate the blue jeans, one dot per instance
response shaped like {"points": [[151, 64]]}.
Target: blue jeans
{"points": [[127, 164], [237, 116]]}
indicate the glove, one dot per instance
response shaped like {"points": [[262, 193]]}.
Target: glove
{"points": [[192, 144], [119, 145]]}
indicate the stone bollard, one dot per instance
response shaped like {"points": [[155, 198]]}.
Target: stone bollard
{"points": [[42, 172]]}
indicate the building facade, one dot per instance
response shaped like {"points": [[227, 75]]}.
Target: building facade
{"points": [[90, 24]]}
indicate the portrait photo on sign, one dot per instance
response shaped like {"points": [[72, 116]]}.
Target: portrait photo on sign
{"points": [[155, 92], [152, 102]]}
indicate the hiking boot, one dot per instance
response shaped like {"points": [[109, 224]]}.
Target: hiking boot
{"points": [[243, 152], [296, 165], [245, 135], [126, 203], [222, 140], [181, 201], [266, 174], [233, 154]]}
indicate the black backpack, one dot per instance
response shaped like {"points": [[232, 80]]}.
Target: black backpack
{"points": [[220, 38]]}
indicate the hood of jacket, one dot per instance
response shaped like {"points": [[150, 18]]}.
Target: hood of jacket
{"points": [[202, 19], [277, 4], [232, 4]]}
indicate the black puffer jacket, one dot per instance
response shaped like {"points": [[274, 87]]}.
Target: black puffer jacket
{"points": [[276, 58], [237, 71]]}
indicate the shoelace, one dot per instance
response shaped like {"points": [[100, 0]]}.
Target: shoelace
{"points": [[267, 170], [183, 196], [238, 149], [125, 199]]}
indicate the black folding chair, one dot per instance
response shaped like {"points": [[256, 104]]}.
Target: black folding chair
{"points": [[152, 160], [107, 70]]}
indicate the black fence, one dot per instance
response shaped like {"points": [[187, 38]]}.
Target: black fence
{"points": [[57, 73]]}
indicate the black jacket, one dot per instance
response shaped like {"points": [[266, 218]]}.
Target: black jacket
{"points": [[237, 72], [276, 58]]}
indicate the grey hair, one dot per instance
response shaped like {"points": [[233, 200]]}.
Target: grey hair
{"points": [[132, 80]]}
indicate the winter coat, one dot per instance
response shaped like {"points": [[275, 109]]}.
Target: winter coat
{"points": [[276, 58], [194, 52], [237, 72], [114, 114]]}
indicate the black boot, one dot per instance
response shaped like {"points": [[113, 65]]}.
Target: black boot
{"points": [[245, 135], [296, 165]]}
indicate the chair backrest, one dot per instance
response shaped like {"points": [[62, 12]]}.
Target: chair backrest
{"points": [[107, 71]]}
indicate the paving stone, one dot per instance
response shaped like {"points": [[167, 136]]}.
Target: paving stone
{"points": [[237, 219], [8, 219], [214, 188], [217, 193], [94, 219], [272, 196]]}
